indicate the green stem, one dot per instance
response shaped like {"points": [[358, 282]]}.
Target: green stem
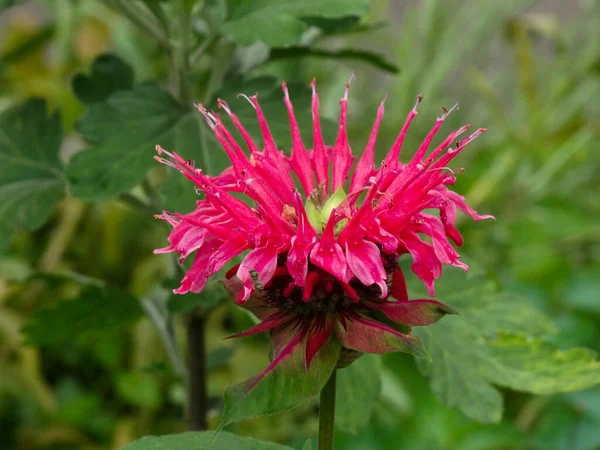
{"points": [[327, 414], [164, 326], [183, 51], [142, 20], [197, 398]]}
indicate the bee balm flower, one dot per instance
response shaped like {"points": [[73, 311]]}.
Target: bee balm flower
{"points": [[323, 263]]}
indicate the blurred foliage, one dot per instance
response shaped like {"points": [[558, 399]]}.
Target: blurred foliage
{"points": [[89, 332]]}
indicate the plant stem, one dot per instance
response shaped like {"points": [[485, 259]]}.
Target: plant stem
{"points": [[327, 414], [142, 20], [197, 400], [167, 334], [183, 51]]}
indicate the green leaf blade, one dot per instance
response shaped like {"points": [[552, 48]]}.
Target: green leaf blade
{"points": [[32, 180], [288, 385], [278, 23], [125, 130], [97, 309], [357, 391], [201, 441]]}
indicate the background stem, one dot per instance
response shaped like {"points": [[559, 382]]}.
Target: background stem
{"points": [[327, 414], [196, 360]]}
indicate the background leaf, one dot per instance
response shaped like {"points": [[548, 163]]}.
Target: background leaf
{"points": [[32, 181], [109, 74], [278, 23], [125, 129], [492, 342], [366, 56], [96, 310], [201, 441], [357, 392]]}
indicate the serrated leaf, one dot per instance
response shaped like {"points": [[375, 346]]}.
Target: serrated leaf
{"points": [[32, 180], [97, 310], [288, 385], [497, 340], [109, 74], [125, 129], [278, 23], [204, 440], [357, 390], [366, 56]]}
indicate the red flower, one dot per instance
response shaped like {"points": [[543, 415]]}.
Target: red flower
{"points": [[327, 266]]}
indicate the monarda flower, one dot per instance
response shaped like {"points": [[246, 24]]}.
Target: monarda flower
{"points": [[323, 264]]}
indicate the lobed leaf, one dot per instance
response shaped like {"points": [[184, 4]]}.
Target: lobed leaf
{"points": [[125, 129], [32, 180], [498, 339]]}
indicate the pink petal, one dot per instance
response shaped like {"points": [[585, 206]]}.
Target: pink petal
{"points": [[369, 336], [461, 203], [329, 256], [229, 250], [364, 258], [425, 264], [299, 160], [196, 277], [399, 291], [366, 164], [264, 261], [320, 161], [415, 312], [342, 157], [394, 153]]}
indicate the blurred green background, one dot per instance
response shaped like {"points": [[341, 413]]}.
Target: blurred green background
{"points": [[528, 71]]}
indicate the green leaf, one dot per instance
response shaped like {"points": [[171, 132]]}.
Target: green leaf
{"points": [[125, 129], [139, 389], [366, 56], [344, 25], [357, 391], [308, 445], [97, 310], [32, 180], [109, 74], [288, 385], [219, 357], [205, 440], [497, 340], [278, 23]]}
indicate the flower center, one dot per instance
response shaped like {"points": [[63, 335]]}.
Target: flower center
{"points": [[319, 208]]}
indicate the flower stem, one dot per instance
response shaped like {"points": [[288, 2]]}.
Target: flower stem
{"points": [[197, 399], [327, 414]]}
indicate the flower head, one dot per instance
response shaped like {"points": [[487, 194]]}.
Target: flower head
{"points": [[323, 263]]}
